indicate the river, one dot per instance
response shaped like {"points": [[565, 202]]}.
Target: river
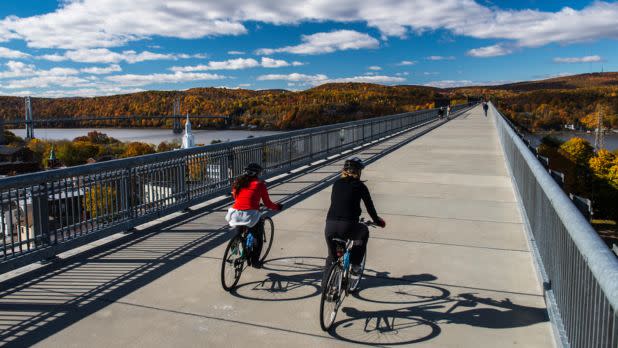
{"points": [[147, 135], [611, 139]]}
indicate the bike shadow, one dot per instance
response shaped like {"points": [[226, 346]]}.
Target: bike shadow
{"points": [[412, 309], [287, 279]]}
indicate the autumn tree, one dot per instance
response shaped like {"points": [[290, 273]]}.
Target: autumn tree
{"points": [[138, 149], [605, 185], [12, 139], [577, 150], [168, 146], [100, 200], [74, 153], [602, 163], [41, 149]]}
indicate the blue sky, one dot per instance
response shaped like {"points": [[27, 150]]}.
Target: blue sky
{"points": [[100, 47]]}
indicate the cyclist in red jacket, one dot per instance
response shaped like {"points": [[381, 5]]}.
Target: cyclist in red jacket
{"points": [[248, 190]]}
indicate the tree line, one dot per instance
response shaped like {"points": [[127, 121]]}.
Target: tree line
{"points": [[276, 109]]}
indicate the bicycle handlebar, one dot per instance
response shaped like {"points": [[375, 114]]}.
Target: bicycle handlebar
{"points": [[368, 223]]}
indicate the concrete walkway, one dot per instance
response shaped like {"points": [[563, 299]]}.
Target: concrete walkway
{"points": [[452, 268]]}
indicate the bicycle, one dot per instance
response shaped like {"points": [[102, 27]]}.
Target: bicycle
{"points": [[237, 255], [340, 281]]}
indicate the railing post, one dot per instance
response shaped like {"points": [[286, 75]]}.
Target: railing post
{"points": [[40, 215], [230, 164], [327, 143], [290, 152], [311, 146], [125, 196], [184, 182], [363, 131]]}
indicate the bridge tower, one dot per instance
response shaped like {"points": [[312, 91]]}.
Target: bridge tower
{"points": [[598, 135], [177, 126], [29, 122]]}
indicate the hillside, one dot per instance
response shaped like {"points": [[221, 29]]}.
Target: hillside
{"points": [[543, 104], [268, 108], [592, 80], [552, 103]]}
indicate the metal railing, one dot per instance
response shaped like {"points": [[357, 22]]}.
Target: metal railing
{"points": [[580, 272], [45, 213]]}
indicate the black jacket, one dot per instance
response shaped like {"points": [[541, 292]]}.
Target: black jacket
{"points": [[345, 201]]}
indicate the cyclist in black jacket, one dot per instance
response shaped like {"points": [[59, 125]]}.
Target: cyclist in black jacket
{"points": [[343, 216]]}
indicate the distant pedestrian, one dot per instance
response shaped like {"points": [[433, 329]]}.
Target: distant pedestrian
{"points": [[441, 112], [485, 108], [448, 111]]}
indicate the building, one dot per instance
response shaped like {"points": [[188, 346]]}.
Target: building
{"points": [[187, 138], [17, 160], [65, 209]]}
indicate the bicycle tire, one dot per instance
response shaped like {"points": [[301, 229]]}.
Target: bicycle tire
{"points": [[231, 268], [267, 239], [355, 282], [328, 309]]}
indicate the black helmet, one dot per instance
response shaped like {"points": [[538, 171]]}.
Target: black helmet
{"points": [[253, 169], [353, 163]]}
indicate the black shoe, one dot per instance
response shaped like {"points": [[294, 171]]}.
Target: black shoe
{"points": [[256, 264]]}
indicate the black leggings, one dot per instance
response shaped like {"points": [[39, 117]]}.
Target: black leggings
{"points": [[345, 230], [258, 240]]}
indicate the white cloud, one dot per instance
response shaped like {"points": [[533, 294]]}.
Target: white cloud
{"points": [[277, 63], [440, 58], [237, 64], [46, 81], [17, 69], [230, 64], [406, 62], [102, 71], [374, 67], [319, 43], [104, 55], [450, 83], [112, 23], [235, 52], [585, 59], [23, 93], [158, 78], [53, 57], [64, 77], [370, 79], [84, 92], [294, 77], [464, 83], [319, 79], [12, 54], [490, 51]]}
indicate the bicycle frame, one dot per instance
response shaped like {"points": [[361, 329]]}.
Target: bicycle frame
{"points": [[344, 260]]}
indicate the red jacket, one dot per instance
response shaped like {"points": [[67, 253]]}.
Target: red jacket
{"points": [[248, 198]]}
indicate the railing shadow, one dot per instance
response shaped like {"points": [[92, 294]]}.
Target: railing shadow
{"points": [[40, 303], [37, 304]]}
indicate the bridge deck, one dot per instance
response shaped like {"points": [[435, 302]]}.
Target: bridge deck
{"points": [[452, 269]]}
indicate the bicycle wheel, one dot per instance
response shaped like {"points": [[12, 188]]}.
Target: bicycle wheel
{"points": [[267, 241], [332, 296], [356, 279], [233, 263]]}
